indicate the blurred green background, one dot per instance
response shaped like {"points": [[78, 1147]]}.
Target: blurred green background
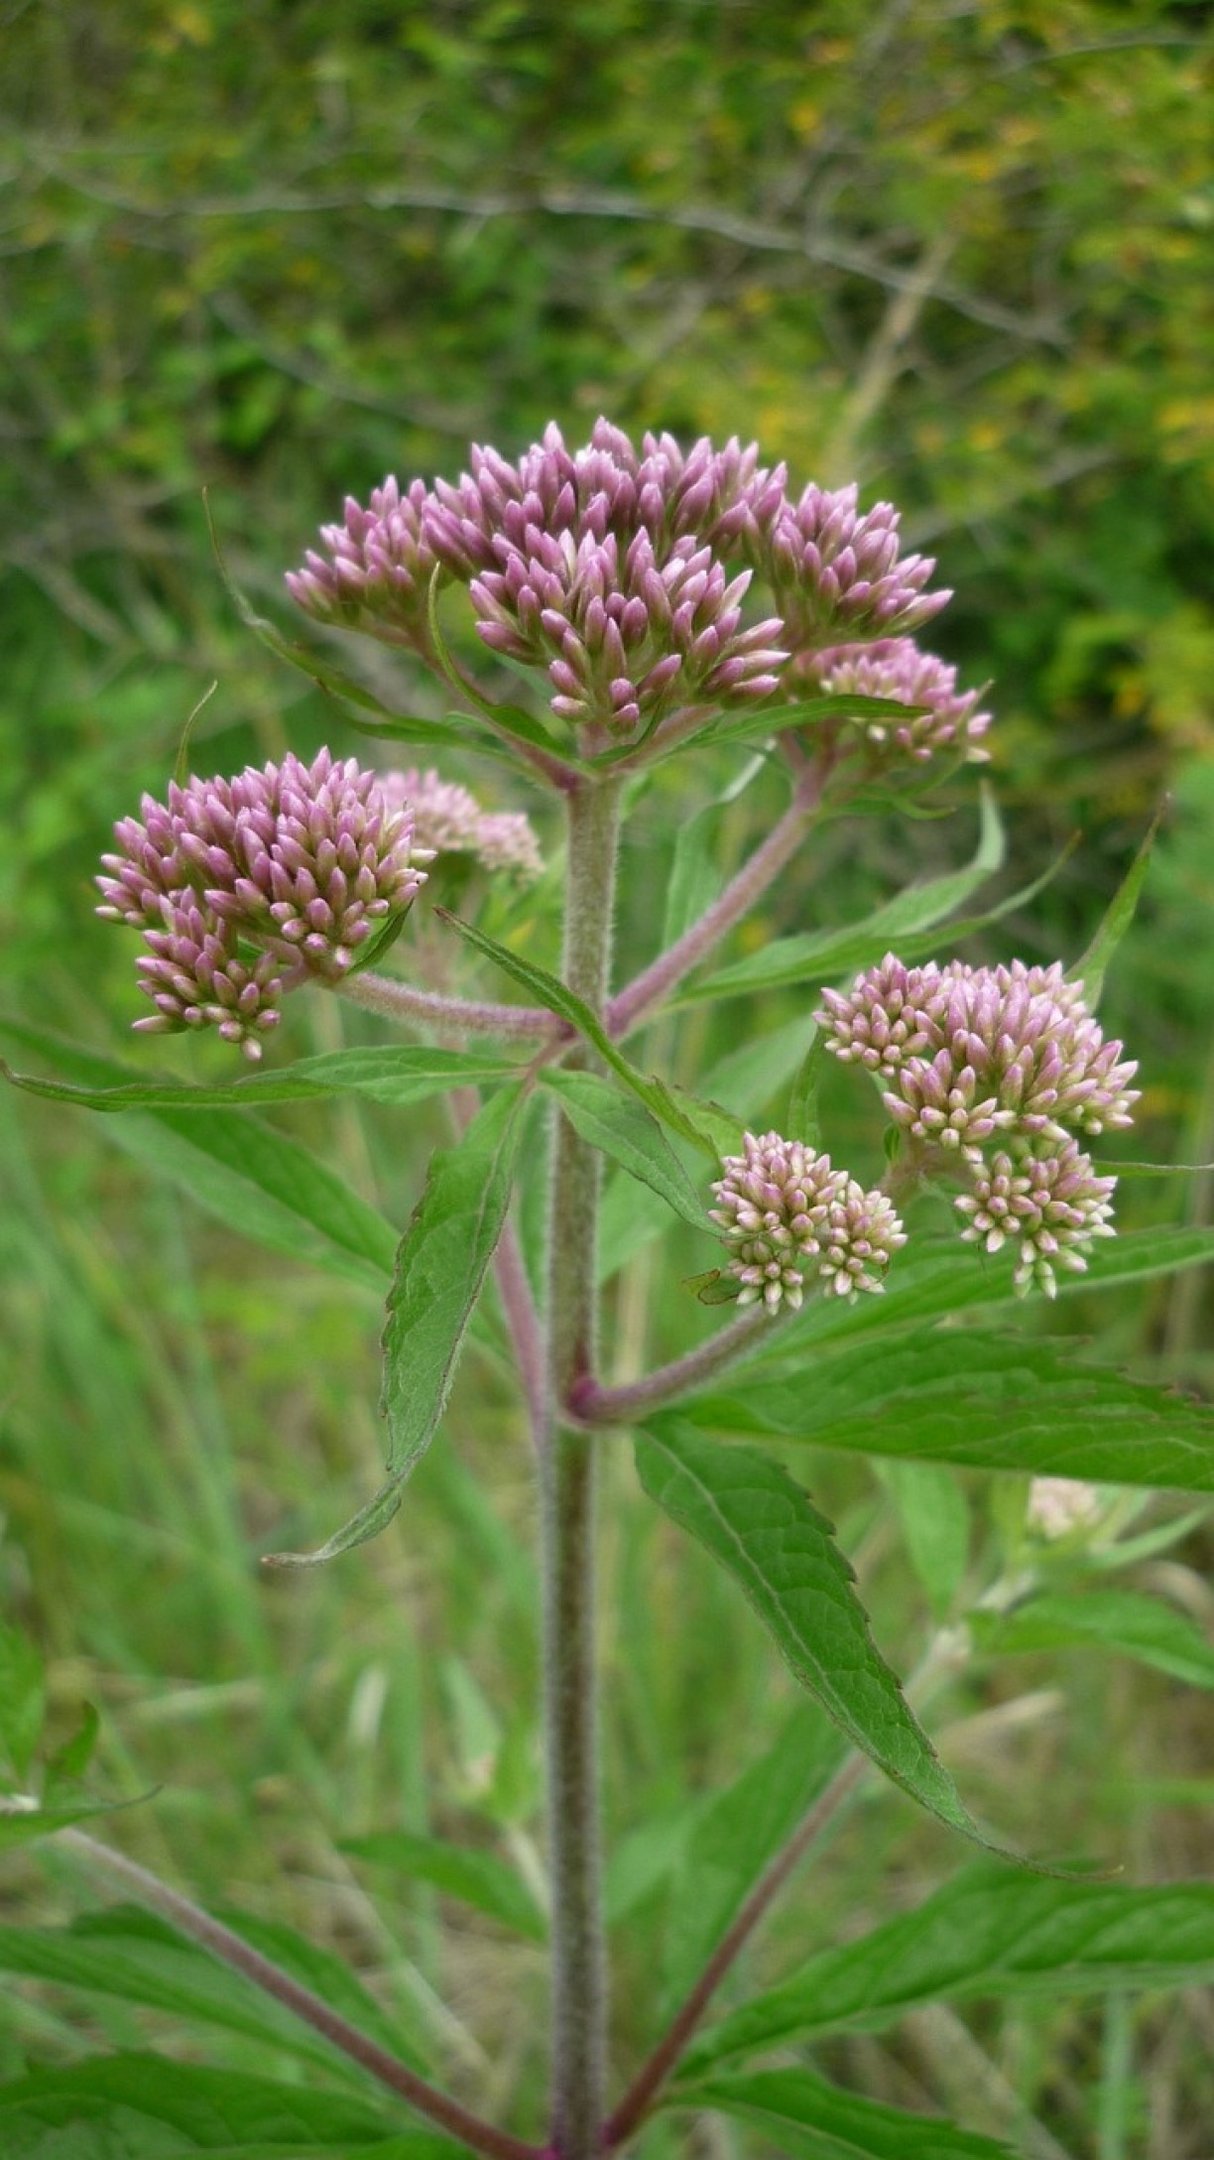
{"points": [[275, 250]]}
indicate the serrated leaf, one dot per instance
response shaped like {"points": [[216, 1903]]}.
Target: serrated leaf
{"points": [[986, 1933], [996, 1402], [618, 1126], [477, 1878], [440, 1268], [802, 2116], [141, 2107], [22, 1701], [746, 1511], [1127, 1621], [820, 955], [1092, 968]]}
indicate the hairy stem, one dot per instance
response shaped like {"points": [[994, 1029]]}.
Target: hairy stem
{"points": [[646, 990], [567, 1470], [397, 1000], [597, 1405], [190, 1920]]}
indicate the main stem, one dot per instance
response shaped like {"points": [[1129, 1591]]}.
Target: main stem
{"points": [[567, 1469]]}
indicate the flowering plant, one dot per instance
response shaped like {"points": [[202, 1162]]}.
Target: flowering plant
{"points": [[660, 603]]}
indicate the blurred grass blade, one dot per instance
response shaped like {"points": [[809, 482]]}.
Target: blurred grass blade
{"points": [[476, 1878], [1092, 968]]}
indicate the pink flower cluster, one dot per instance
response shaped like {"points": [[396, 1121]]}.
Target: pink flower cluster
{"points": [[895, 668], [448, 820], [623, 573], [992, 1072], [786, 1213], [301, 862]]}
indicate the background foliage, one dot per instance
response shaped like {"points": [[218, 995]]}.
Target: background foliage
{"points": [[277, 250]]}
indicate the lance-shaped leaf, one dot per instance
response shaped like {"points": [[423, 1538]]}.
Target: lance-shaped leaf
{"points": [[620, 1127], [474, 1877], [402, 1073], [692, 1121], [765, 720], [1092, 968], [440, 1268], [997, 1402], [1127, 1621], [986, 1933], [822, 954], [747, 1512], [144, 2107], [801, 2115]]}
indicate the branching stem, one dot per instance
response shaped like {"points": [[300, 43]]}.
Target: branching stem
{"points": [[625, 1405]]}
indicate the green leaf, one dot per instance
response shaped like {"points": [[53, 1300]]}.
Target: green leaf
{"points": [[694, 877], [440, 1267], [997, 1402], [141, 2107], [69, 1763], [749, 1515], [802, 2116], [737, 1832], [690, 1119], [476, 1878], [985, 1933], [21, 1825], [1093, 967], [822, 954], [132, 1956], [249, 1175], [803, 1119], [22, 1701], [1128, 1621], [764, 720], [401, 1074], [618, 1126]]}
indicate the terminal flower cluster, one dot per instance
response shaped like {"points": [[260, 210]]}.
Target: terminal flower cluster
{"points": [[301, 862], [787, 1214], [991, 1073], [448, 820], [623, 573]]}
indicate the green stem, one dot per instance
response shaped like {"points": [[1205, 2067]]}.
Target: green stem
{"points": [[567, 1458]]}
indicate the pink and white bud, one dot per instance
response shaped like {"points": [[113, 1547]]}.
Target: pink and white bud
{"points": [[787, 1214]]}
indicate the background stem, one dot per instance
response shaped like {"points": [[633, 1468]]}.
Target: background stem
{"points": [[567, 1472]]}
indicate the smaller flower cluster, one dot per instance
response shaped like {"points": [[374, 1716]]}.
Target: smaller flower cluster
{"points": [[895, 668], [1059, 1506], [835, 572], [992, 1072], [301, 861], [448, 820], [786, 1213], [376, 575]]}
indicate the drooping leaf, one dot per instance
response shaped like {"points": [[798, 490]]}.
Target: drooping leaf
{"points": [[620, 1127], [22, 1701], [142, 2107], [475, 1877], [1127, 1621], [440, 1268], [996, 1402], [985, 1933], [749, 1515], [801, 2115], [737, 1832]]}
